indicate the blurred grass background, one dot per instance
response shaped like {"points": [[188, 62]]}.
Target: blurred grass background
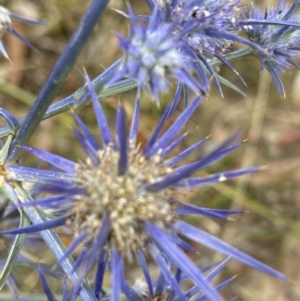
{"points": [[270, 230]]}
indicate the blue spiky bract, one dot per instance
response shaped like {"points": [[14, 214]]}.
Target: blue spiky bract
{"points": [[159, 288]]}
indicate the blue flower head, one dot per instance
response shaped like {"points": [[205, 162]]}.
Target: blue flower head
{"points": [[277, 32], [125, 201], [207, 30], [6, 26], [152, 56]]}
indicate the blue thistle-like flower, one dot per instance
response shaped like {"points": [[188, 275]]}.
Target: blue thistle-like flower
{"points": [[207, 30], [277, 32], [201, 30], [6, 26], [125, 202], [152, 56]]}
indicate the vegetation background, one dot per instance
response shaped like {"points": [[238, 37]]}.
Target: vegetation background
{"points": [[269, 231]]}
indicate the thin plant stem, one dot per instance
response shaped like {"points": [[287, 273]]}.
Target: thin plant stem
{"points": [[57, 77]]}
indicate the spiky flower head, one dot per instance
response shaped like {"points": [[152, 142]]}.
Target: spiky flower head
{"points": [[126, 201], [203, 15], [152, 56], [207, 30], [6, 26], [277, 32]]}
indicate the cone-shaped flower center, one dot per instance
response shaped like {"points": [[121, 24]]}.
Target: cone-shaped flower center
{"points": [[123, 197]]}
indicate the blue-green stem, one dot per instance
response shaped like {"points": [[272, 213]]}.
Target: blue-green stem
{"points": [[58, 75], [71, 101], [15, 249]]}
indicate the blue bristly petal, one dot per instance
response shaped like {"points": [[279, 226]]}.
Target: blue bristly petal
{"points": [[154, 18], [188, 169], [143, 264], [25, 20], [201, 72], [122, 139], [189, 81], [218, 288], [132, 17], [117, 275], [32, 175], [184, 278], [87, 147], [172, 294], [48, 202], [56, 222], [72, 247], [224, 152], [277, 81], [173, 145], [214, 243], [233, 37], [54, 160], [156, 255], [100, 272], [156, 131], [229, 65], [80, 258], [181, 156], [45, 285], [267, 22], [17, 35], [175, 128], [216, 155], [228, 212], [180, 242], [181, 260], [135, 122], [212, 72], [160, 284], [217, 269], [99, 242], [176, 99], [187, 209], [100, 115], [215, 178], [194, 290], [88, 135]]}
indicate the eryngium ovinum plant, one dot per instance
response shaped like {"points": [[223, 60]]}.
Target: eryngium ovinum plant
{"points": [[124, 202]]}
